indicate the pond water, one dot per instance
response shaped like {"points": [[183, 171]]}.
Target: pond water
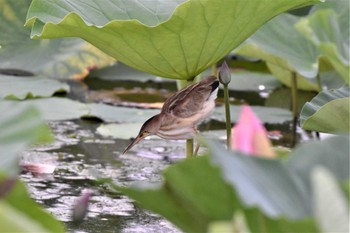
{"points": [[79, 154]]}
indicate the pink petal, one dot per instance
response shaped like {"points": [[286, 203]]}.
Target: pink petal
{"points": [[249, 135], [38, 168], [81, 206]]}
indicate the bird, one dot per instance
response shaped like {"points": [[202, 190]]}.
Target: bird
{"points": [[182, 112]]}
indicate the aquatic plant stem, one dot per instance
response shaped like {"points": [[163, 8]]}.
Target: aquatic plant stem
{"points": [[294, 88], [228, 116], [318, 78], [189, 149]]}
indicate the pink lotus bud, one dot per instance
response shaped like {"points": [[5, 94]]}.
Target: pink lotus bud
{"points": [[80, 208], [7, 185], [249, 135]]}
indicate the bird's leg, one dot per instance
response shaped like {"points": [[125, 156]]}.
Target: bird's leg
{"points": [[196, 149], [198, 144]]}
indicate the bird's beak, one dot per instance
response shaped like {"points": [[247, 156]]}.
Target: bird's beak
{"points": [[136, 140]]}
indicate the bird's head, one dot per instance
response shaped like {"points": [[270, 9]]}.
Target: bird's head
{"points": [[150, 127]]}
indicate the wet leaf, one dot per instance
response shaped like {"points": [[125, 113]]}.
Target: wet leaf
{"points": [[162, 41], [265, 114], [57, 59], [20, 213], [29, 87], [327, 112]]}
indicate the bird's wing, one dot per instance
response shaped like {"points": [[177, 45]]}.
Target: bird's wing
{"points": [[189, 101]]}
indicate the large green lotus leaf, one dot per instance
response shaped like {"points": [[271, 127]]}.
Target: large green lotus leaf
{"points": [[262, 182], [330, 205], [258, 222], [283, 188], [154, 36], [328, 27], [331, 153], [20, 213], [19, 127], [192, 196], [327, 112], [281, 45], [285, 42], [266, 114], [61, 58], [12, 87]]}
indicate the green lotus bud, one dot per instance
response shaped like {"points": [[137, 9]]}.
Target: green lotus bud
{"points": [[224, 74]]}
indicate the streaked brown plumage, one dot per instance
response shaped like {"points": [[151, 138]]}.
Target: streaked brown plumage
{"points": [[182, 112]]}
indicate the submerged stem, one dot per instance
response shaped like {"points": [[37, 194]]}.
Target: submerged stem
{"points": [[228, 116], [294, 88]]}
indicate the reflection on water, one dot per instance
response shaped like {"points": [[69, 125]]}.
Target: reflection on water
{"points": [[78, 153]]}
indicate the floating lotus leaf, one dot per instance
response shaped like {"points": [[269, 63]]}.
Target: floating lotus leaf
{"points": [[58, 109], [29, 87], [173, 39]]}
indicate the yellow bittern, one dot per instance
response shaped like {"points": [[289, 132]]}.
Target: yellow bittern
{"points": [[182, 112]]}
